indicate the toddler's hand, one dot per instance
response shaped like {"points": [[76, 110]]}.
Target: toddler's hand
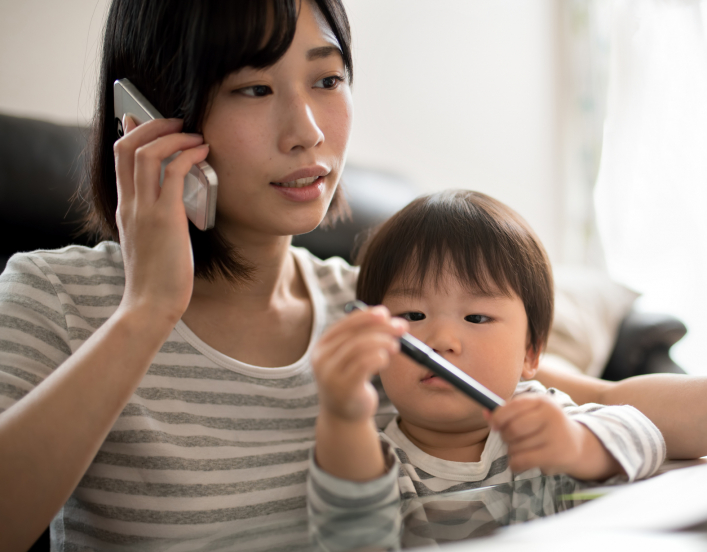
{"points": [[540, 435], [346, 357]]}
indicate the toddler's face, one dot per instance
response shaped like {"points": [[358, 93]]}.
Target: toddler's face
{"points": [[485, 336]]}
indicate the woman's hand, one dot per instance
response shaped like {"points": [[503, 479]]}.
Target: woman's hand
{"points": [[348, 355], [49, 438], [540, 435], [152, 221]]}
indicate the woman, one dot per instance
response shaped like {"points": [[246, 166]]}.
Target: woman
{"points": [[124, 409]]}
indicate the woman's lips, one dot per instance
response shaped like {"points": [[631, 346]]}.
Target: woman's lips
{"points": [[302, 189]]}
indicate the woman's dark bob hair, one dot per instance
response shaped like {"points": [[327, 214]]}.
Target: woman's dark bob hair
{"points": [[175, 52], [486, 244]]}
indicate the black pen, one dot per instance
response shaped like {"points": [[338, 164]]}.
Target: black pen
{"points": [[424, 355]]}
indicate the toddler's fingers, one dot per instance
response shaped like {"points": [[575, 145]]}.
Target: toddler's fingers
{"points": [[347, 357], [347, 330], [363, 368], [332, 346], [531, 442], [375, 317], [526, 424], [513, 409]]}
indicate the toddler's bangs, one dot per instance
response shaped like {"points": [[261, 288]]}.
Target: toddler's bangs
{"points": [[486, 245]]}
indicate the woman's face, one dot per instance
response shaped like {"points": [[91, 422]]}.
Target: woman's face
{"points": [[278, 136]]}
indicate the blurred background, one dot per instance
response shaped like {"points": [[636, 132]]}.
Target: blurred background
{"points": [[586, 116]]}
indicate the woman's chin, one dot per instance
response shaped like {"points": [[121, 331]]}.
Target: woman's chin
{"points": [[285, 225]]}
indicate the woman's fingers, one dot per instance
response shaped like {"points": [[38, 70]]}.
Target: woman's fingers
{"points": [[137, 136], [176, 171], [148, 163]]}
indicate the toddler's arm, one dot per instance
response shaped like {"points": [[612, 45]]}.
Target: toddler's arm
{"points": [[673, 402], [540, 435], [348, 354], [592, 442]]}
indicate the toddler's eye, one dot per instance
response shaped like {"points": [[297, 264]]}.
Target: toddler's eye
{"points": [[412, 316], [257, 91], [328, 83], [476, 318]]}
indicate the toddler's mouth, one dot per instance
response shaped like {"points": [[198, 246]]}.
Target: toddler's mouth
{"points": [[432, 381]]}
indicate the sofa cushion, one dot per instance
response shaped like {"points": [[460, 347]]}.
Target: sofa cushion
{"points": [[589, 308]]}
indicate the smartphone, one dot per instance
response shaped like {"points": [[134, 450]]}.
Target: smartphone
{"points": [[200, 184]]}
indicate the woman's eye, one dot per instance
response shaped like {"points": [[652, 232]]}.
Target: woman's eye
{"points": [[412, 316], [476, 318], [257, 91], [328, 83]]}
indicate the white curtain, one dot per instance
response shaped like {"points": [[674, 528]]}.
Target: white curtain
{"points": [[651, 191]]}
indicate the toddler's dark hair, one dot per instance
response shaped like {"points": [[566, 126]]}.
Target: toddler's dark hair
{"points": [[487, 245]]}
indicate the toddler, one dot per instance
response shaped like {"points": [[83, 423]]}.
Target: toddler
{"points": [[465, 274]]}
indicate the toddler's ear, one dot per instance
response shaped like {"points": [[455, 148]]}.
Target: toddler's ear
{"points": [[531, 362]]}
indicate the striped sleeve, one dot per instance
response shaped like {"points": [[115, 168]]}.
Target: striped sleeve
{"points": [[347, 514], [631, 438], [34, 336]]}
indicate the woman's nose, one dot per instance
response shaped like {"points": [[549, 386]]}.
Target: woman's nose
{"points": [[299, 128]]}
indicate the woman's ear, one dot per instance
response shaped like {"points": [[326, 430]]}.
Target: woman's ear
{"points": [[531, 362]]}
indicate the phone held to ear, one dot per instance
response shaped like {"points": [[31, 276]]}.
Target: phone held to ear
{"points": [[200, 184]]}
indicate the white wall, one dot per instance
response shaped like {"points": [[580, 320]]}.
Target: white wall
{"points": [[461, 93], [48, 57], [451, 93]]}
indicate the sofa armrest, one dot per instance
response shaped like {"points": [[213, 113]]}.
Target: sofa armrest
{"points": [[643, 345]]}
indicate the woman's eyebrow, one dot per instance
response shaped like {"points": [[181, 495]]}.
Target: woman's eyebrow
{"points": [[322, 52]]}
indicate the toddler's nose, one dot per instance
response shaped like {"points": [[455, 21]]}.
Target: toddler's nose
{"points": [[444, 340]]}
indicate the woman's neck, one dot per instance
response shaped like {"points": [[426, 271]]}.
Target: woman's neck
{"points": [[464, 446], [264, 322], [272, 277]]}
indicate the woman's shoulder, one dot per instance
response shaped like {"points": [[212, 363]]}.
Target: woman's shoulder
{"points": [[332, 264], [333, 275], [105, 255], [59, 270]]}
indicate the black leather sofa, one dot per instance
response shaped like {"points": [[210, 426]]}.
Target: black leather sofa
{"points": [[41, 168]]}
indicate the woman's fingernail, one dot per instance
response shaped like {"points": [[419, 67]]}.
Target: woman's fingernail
{"points": [[193, 135]]}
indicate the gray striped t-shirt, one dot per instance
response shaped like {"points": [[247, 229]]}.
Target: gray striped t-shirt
{"points": [[209, 451], [629, 436]]}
